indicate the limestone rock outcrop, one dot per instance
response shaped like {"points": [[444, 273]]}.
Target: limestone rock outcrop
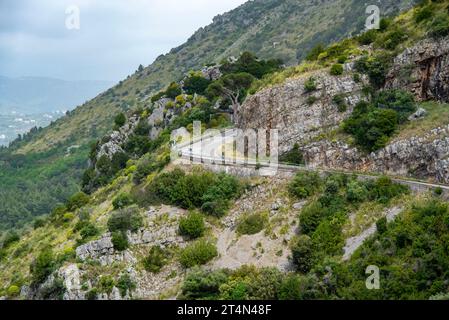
{"points": [[298, 114], [423, 70]]}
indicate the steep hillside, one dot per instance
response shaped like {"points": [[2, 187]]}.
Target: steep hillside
{"points": [[146, 229], [284, 29]]}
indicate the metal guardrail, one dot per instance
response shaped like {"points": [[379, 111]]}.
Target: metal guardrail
{"points": [[294, 168]]}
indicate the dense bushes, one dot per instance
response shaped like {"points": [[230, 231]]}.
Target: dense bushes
{"points": [[322, 220], [372, 130], [304, 184], [43, 266], [125, 285], [245, 283], [249, 63], [192, 226], [439, 26], [367, 37], [202, 284], [196, 83], [302, 253], [252, 224], [400, 101], [201, 189], [336, 69], [120, 120], [77, 201], [9, 238], [122, 221], [120, 240], [410, 253], [310, 85], [198, 253], [340, 101], [122, 200], [173, 90], [125, 219], [376, 67], [372, 125], [156, 259]]}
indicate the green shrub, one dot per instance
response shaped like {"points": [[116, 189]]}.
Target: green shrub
{"points": [[125, 219], [440, 26], [252, 224], [203, 284], [125, 285], [356, 192], [311, 216], [371, 130], [92, 294], [77, 201], [337, 69], [381, 225], [157, 96], [438, 191], [293, 157], [195, 190], [264, 284], [384, 189], [13, 291], [297, 287], [43, 266], [217, 208], [423, 14], [173, 91], [122, 200], [53, 291], [367, 37], [310, 85], [88, 231], [400, 101], [157, 258], [393, 38], [9, 238], [302, 254], [315, 52], [39, 223], [120, 240], [192, 226], [342, 59], [196, 84], [304, 184], [376, 67], [120, 120], [311, 100], [340, 101], [106, 284], [198, 253]]}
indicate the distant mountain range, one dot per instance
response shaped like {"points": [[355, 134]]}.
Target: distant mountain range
{"points": [[34, 95]]}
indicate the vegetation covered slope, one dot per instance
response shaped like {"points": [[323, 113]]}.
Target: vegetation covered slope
{"points": [[284, 29], [119, 207]]}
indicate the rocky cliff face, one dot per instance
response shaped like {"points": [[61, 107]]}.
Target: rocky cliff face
{"points": [[423, 70], [420, 157], [298, 114]]}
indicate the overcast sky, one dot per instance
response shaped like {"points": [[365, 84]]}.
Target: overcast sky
{"points": [[115, 36]]}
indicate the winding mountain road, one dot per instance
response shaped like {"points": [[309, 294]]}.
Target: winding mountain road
{"points": [[210, 150]]}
